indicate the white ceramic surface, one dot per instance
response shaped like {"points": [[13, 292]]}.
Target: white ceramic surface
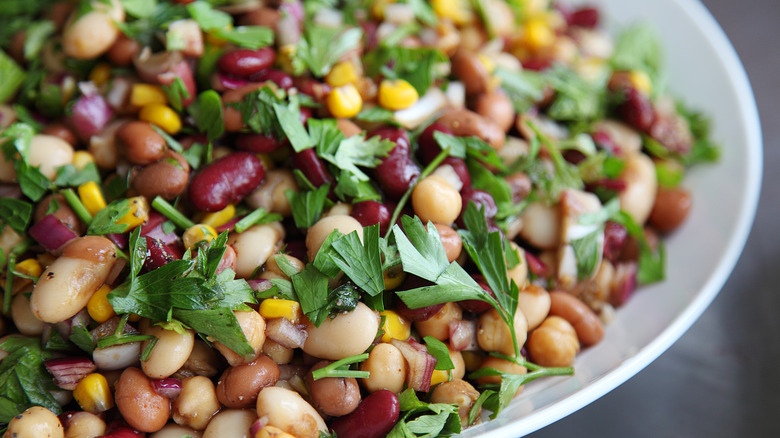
{"points": [[704, 70]]}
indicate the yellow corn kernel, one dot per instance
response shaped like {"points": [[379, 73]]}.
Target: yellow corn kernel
{"points": [[92, 197], [458, 11], [394, 326], [538, 34], [29, 267], [219, 218], [641, 81], [138, 214], [98, 306], [277, 308], [93, 394], [393, 277], [378, 8], [147, 94], [100, 74], [490, 66], [272, 432], [81, 159], [198, 233], [285, 58], [397, 94], [532, 6], [215, 40], [164, 117], [439, 376], [344, 102], [342, 73]]}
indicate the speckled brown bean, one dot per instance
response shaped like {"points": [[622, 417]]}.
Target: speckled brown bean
{"points": [[239, 385], [142, 407], [589, 328], [335, 396], [166, 178], [60, 130], [670, 208], [123, 51], [471, 71], [497, 107], [465, 123], [64, 213], [451, 241], [140, 143]]}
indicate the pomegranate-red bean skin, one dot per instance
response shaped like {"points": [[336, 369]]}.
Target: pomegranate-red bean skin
{"points": [[636, 109], [429, 149], [245, 62], [584, 17], [372, 212], [615, 237], [478, 306], [278, 77], [258, 143], [373, 418], [226, 181], [312, 167], [159, 254], [397, 172]]}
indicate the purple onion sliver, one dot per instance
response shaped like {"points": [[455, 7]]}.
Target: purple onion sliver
{"points": [[51, 233], [69, 371], [90, 115], [170, 387]]}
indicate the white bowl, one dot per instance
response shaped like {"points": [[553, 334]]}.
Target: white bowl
{"points": [[704, 70]]}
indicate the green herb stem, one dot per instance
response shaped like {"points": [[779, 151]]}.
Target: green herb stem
{"points": [[77, 206], [171, 213], [250, 219], [111, 340], [335, 369], [405, 198]]}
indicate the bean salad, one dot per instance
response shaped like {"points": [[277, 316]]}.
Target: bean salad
{"points": [[320, 218]]}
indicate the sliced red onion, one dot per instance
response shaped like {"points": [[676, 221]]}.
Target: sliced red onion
{"points": [[285, 333], [153, 228], [91, 114], [536, 266], [258, 425], [119, 240], [116, 270], [260, 285], [119, 429], [118, 92], [69, 371], [150, 65], [51, 233], [117, 357], [293, 8], [623, 283], [463, 335], [288, 30], [421, 364], [170, 387], [228, 82]]}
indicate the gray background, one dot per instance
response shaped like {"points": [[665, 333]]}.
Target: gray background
{"points": [[726, 385]]}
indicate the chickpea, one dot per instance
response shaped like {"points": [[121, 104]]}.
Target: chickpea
{"points": [[519, 273], [457, 360], [35, 422], [271, 195], [335, 396], [435, 200], [23, 317], [438, 325], [169, 354], [554, 343], [502, 365], [84, 425], [239, 385], [203, 361], [322, 229], [172, 430], [387, 367], [233, 423], [496, 106], [288, 411], [347, 334], [458, 392], [271, 269], [141, 406], [277, 352], [541, 225], [534, 302], [450, 240], [196, 403], [49, 152], [493, 333], [253, 326], [255, 245]]}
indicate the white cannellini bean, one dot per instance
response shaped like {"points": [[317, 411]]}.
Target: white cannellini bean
{"points": [[347, 334], [169, 353], [288, 411], [541, 225], [49, 152], [638, 197], [254, 246], [233, 423]]}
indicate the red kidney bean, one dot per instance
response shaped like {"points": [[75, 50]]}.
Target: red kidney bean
{"points": [[636, 109], [421, 314], [615, 237], [397, 172], [313, 167], [278, 77], [672, 132], [519, 185], [624, 283], [153, 228], [372, 212], [119, 429], [482, 199], [373, 418], [584, 17], [537, 64], [478, 306], [226, 181], [312, 87], [305, 114], [604, 141], [245, 62], [258, 143], [159, 254], [429, 149]]}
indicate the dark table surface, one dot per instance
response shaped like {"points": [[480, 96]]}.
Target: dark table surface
{"points": [[720, 379]]}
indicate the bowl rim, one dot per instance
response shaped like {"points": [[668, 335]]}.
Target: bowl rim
{"points": [[748, 113]]}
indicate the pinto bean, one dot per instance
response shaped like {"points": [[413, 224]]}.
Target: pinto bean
{"points": [[140, 143], [465, 123], [347, 334], [450, 240], [123, 51], [335, 396], [589, 328], [142, 407], [670, 209], [35, 422], [239, 385], [226, 181], [166, 178], [288, 411], [66, 285], [232, 116], [373, 418], [497, 107], [472, 72]]}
